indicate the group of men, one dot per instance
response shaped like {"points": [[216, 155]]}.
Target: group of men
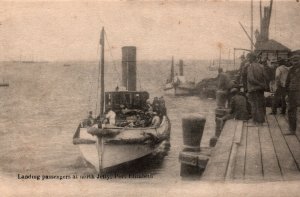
{"points": [[257, 77]]}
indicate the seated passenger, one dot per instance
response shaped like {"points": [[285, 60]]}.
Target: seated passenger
{"points": [[125, 111], [139, 122], [111, 116], [155, 120], [239, 109], [155, 104], [90, 118], [89, 121], [162, 106], [148, 107]]}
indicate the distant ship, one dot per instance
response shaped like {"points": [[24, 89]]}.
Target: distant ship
{"points": [[178, 85], [4, 84], [212, 67]]}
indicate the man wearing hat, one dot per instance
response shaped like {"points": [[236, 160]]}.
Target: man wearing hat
{"points": [[280, 80], [238, 105], [257, 83], [293, 92]]}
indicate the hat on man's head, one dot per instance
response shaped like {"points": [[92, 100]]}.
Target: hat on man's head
{"points": [[252, 56], [234, 90]]}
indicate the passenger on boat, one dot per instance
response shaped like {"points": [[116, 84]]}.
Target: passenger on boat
{"points": [[90, 118], [155, 120], [148, 107], [139, 122], [111, 116], [162, 106], [89, 121], [124, 109], [155, 104]]}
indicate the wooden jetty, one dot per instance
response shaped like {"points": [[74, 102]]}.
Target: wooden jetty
{"points": [[246, 152]]}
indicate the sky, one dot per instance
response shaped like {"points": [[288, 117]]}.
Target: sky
{"points": [[61, 31]]}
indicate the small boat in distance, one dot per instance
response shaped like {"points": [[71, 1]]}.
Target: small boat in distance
{"points": [[131, 138], [178, 85], [213, 67], [4, 84]]}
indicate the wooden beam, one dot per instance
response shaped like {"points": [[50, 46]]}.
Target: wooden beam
{"points": [[218, 163], [271, 168], [253, 165], [286, 161], [239, 171]]}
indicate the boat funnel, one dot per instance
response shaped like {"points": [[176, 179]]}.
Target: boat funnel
{"points": [[129, 67], [180, 67]]}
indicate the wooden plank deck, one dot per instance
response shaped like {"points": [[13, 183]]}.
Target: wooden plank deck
{"points": [[245, 152]]}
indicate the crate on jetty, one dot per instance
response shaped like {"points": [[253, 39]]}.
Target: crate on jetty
{"points": [[247, 152]]}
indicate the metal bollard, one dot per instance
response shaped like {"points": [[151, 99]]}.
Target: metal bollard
{"points": [[193, 127]]}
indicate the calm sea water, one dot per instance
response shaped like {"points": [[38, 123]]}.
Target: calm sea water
{"points": [[41, 108]]}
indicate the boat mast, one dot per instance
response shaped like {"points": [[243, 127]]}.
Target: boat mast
{"points": [[251, 25], [102, 72], [172, 70]]}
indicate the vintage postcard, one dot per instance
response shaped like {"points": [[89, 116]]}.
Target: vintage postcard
{"points": [[152, 98]]}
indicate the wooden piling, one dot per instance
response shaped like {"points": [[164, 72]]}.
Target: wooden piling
{"points": [[219, 113]]}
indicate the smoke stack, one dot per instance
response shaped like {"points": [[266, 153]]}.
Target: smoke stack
{"points": [[180, 67], [129, 67]]}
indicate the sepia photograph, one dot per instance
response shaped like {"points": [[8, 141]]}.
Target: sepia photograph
{"points": [[150, 98]]}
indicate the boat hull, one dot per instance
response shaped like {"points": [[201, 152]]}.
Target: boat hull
{"points": [[108, 152], [179, 91]]}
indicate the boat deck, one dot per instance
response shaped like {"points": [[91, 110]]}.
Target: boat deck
{"points": [[245, 152]]}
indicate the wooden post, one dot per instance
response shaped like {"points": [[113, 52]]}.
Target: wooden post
{"points": [[220, 113]]}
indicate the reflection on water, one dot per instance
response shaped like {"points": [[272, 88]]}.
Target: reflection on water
{"points": [[44, 103]]}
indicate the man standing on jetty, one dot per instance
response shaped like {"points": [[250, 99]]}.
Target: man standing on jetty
{"points": [[257, 83], [293, 92], [280, 93]]}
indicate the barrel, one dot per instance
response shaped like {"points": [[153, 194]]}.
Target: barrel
{"points": [[193, 127]]}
